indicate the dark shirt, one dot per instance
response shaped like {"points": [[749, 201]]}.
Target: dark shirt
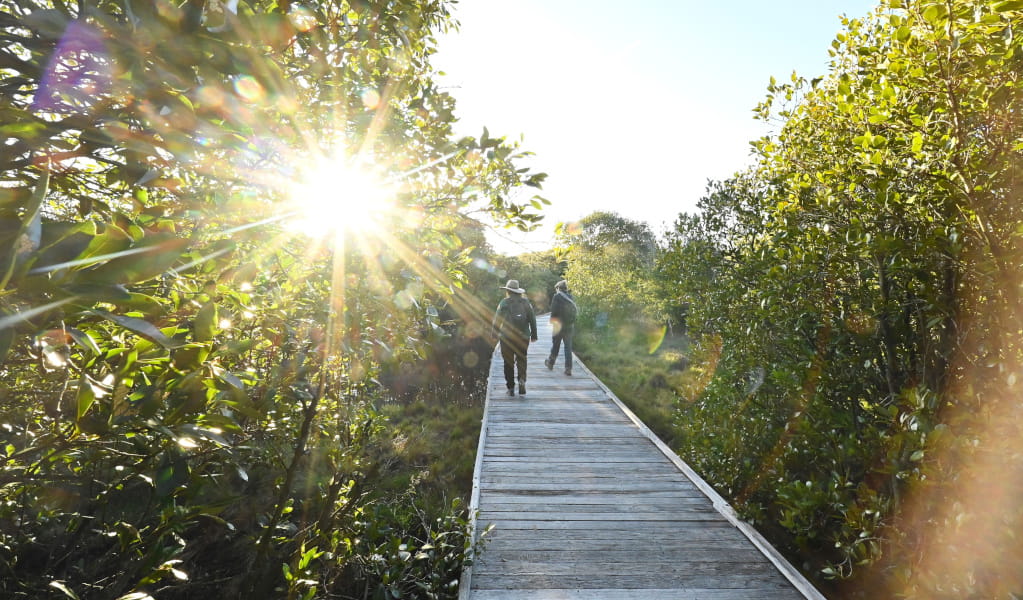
{"points": [[559, 304]]}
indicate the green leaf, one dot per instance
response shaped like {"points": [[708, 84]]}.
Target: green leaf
{"points": [[155, 257], [1009, 6], [147, 305], [63, 242], [29, 223], [84, 340], [205, 323], [917, 143], [112, 240], [91, 293], [59, 585], [142, 328], [23, 130], [190, 356], [206, 434], [171, 476], [85, 399]]}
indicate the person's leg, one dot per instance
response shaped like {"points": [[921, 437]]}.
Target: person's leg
{"points": [[555, 346], [508, 355], [568, 334], [520, 362]]}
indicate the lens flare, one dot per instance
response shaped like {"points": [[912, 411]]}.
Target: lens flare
{"points": [[335, 195], [370, 99], [655, 337], [249, 89]]}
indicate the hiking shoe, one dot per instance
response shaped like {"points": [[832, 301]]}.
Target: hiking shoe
{"points": [[522, 388], [511, 391], [568, 372], [547, 362]]}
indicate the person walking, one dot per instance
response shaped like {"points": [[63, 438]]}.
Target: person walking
{"points": [[515, 325], [563, 312]]}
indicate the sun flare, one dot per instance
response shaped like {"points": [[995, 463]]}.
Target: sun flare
{"points": [[341, 197]]}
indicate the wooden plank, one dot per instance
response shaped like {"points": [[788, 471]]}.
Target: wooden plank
{"points": [[609, 500], [568, 455], [511, 549], [580, 477], [634, 594], [586, 430], [629, 439], [592, 547], [641, 469], [498, 510], [637, 525], [582, 494], [577, 450], [718, 552], [596, 502], [608, 518], [629, 536], [539, 489], [598, 567], [772, 581], [551, 468]]}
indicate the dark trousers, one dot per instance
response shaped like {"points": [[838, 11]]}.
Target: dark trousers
{"points": [[564, 334], [514, 354]]}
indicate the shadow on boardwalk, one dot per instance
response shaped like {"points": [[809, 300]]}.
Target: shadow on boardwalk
{"points": [[586, 503]]}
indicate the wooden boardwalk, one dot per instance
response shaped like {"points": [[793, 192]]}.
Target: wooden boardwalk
{"points": [[587, 504]]}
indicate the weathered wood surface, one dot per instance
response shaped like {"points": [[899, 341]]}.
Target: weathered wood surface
{"points": [[586, 504]]}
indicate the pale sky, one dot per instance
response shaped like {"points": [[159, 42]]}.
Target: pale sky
{"points": [[629, 106]]}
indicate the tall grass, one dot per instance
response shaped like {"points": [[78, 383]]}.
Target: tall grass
{"points": [[650, 378]]}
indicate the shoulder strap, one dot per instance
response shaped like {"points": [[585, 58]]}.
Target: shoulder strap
{"points": [[566, 297]]}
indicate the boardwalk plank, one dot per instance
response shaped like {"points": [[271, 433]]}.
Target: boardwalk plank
{"points": [[585, 503], [598, 567], [626, 594], [636, 582]]}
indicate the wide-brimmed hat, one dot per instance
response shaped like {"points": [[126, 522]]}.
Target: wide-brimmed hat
{"points": [[513, 287]]}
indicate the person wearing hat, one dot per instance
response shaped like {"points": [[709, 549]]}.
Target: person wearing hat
{"points": [[515, 325], [563, 312]]}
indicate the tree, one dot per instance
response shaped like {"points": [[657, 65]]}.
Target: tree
{"points": [[868, 324], [611, 263], [188, 382]]}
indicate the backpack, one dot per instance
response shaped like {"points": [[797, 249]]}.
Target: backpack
{"points": [[568, 309], [518, 314]]}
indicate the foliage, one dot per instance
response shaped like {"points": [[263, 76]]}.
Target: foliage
{"points": [[611, 270], [862, 284], [188, 382], [537, 272]]}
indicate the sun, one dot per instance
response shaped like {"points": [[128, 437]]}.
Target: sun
{"points": [[339, 196]]}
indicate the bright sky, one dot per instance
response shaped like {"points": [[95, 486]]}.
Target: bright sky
{"points": [[629, 106]]}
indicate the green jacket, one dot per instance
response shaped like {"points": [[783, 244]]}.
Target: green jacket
{"points": [[515, 319]]}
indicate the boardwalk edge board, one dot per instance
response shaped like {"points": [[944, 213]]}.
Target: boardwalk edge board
{"points": [[796, 578], [465, 583]]}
